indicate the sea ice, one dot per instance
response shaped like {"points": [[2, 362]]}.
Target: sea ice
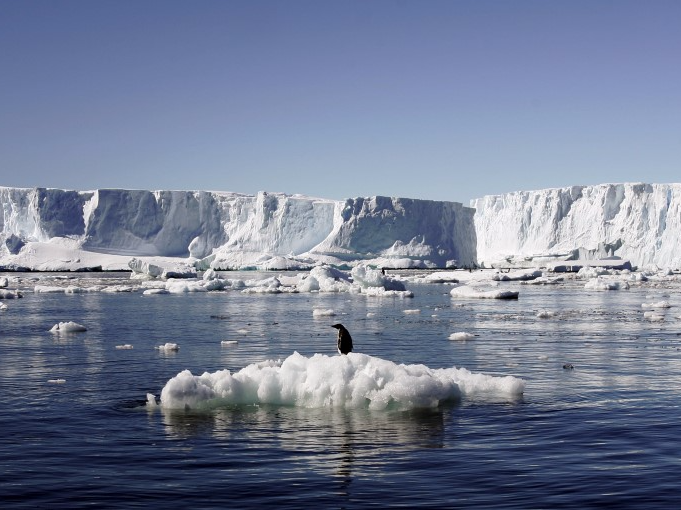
{"points": [[467, 291], [658, 304], [461, 335], [352, 381], [319, 312], [168, 347], [68, 327], [601, 284]]}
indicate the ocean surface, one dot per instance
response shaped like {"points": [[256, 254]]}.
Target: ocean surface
{"points": [[597, 425]]}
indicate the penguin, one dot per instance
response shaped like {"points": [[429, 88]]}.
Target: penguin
{"points": [[344, 339]]}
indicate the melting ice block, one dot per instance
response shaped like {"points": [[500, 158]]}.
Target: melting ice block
{"points": [[352, 381], [68, 327]]}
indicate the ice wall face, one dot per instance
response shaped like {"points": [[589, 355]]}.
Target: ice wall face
{"points": [[231, 230], [639, 222], [440, 232]]}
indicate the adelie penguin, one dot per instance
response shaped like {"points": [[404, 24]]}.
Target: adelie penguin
{"points": [[344, 339]]}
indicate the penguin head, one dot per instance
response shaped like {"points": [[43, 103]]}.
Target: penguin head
{"points": [[337, 326]]}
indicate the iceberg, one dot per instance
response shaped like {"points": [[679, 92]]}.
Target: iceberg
{"points": [[63, 230], [352, 381], [637, 222]]}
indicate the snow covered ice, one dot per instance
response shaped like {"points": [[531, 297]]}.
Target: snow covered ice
{"points": [[174, 234], [351, 381]]}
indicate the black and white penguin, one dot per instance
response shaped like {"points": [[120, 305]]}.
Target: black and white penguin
{"points": [[344, 339]]}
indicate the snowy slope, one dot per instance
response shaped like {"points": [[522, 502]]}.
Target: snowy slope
{"points": [[639, 222], [59, 229]]}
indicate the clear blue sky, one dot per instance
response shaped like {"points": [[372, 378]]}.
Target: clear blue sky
{"points": [[443, 100]]}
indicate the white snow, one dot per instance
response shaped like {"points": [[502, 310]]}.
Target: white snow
{"points": [[352, 381], [68, 327]]}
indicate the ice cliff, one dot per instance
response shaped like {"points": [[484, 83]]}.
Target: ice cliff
{"points": [[639, 222], [51, 229]]}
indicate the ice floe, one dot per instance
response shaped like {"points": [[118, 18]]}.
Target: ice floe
{"points": [[68, 327], [352, 381]]}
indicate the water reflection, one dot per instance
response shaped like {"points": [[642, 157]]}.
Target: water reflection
{"points": [[336, 442]]}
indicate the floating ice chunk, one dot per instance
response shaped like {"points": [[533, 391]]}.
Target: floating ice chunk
{"points": [[326, 279], [467, 291], [183, 286], [545, 280], [522, 275], [68, 327], [3, 306], [151, 400], [589, 272], [168, 347], [152, 292], [601, 284], [318, 312], [270, 285], [47, 289], [119, 288], [10, 294], [56, 381], [229, 342], [412, 311], [167, 271], [441, 277], [4, 282], [545, 314], [366, 277], [352, 381], [461, 335], [381, 292], [124, 347], [659, 304], [74, 289]]}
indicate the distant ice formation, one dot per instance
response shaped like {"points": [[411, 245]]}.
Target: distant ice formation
{"points": [[174, 234], [52, 229], [636, 222]]}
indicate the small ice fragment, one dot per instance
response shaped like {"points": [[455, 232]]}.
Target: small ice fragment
{"points": [[413, 311], [68, 327], [319, 312], [151, 400], [658, 304], [124, 346], [242, 331], [56, 381], [229, 342], [168, 347], [461, 335], [545, 314]]}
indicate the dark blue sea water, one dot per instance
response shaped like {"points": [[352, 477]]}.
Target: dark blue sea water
{"points": [[605, 433]]}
